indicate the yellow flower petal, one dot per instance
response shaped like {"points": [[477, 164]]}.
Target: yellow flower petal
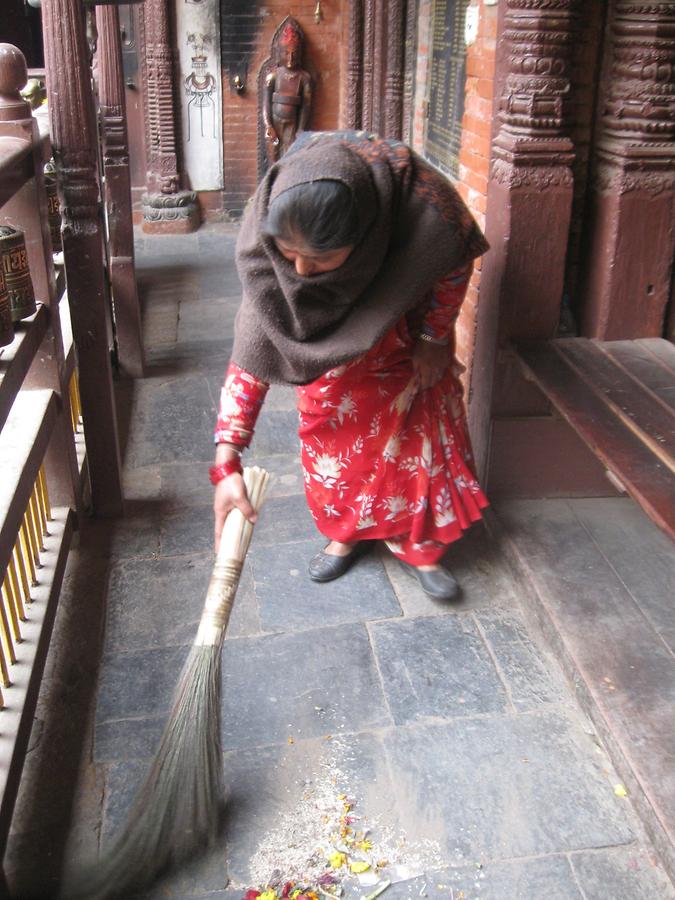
{"points": [[359, 866], [337, 859], [620, 790]]}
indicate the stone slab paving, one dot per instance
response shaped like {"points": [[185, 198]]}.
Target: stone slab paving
{"points": [[448, 724], [450, 727], [603, 581]]}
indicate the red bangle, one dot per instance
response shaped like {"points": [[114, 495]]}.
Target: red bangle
{"points": [[223, 469]]}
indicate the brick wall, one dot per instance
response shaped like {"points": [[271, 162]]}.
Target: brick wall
{"points": [[246, 33], [474, 154]]}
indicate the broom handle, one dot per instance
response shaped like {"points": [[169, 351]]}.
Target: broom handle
{"points": [[234, 543]]}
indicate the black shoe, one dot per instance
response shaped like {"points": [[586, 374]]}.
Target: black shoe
{"points": [[439, 584], [325, 566]]}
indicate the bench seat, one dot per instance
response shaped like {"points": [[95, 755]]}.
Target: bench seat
{"points": [[619, 397]]}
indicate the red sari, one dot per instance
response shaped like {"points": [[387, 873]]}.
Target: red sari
{"points": [[381, 458]]}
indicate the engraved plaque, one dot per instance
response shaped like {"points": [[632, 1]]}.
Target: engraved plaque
{"points": [[447, 81]]}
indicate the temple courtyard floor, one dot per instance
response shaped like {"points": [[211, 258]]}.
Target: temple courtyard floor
{"points": [[514, 744]]}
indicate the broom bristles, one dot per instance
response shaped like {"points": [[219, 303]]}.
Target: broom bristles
{"points": [[176, 812]]}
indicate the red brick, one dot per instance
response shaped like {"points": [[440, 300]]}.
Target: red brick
{"points": [[478, 106], [474, 162], [476, 180], [481, 127], [479, 65], [485, 88], [477, 201], [475, 144], [488, 22]]}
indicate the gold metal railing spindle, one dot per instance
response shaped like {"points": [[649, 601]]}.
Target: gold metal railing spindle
{"points": [[27, 550], [78, 402], [73, 404], [2, 701], [38, 513], [21, 569], [4, 671], [5, 632], [32, 535], [16, 590], [45, 493], [10, 602]]}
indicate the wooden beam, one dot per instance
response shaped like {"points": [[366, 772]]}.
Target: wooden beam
{"points": [[74, 139], [644, 475], [118, 192]]}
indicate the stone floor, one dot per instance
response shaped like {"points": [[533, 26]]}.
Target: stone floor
{"points": [[453, 729]]}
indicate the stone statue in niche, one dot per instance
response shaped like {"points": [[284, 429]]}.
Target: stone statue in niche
{"points": [[286, 91]]}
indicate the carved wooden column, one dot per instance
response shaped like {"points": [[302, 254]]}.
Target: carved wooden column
{"points": [[118, 191], [375, 68], [393, 76], [28, 210], [531, 176], [166, 208], [627, 275], [369, 13], [74, 138], [355, 65]]}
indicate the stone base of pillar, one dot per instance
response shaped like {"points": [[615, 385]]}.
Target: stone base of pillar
{"points": [[171, 213]]}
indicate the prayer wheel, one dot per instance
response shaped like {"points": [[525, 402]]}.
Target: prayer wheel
{"points": [[17, 274], [53, 209], [6, 327]]}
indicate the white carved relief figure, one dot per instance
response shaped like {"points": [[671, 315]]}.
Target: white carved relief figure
{"points": [[201, 88]]}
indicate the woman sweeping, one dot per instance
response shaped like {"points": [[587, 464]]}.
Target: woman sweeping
{"points": [[354, 256]]}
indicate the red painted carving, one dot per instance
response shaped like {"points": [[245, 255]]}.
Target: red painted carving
{"points": [[636, 143], [355, 65], [159, 64], [368, 63], [532, 147], [631, 204], [74, 141], [393, 78], [165, 207], [111, 88], [531, 182]]}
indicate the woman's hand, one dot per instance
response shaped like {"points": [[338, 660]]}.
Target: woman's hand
{"points": [[230, 493], [430, 362]]}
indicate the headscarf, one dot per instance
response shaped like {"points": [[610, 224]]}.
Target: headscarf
{"points": [[415, 229]]}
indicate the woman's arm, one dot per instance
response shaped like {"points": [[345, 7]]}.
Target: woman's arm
{"points": [[435, 347], [241, 398]]}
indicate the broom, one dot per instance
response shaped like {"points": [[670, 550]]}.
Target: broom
{"points": [[176, 812]]}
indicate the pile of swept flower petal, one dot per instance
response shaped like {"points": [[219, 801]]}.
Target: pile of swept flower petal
{"points": [[350, 853]]}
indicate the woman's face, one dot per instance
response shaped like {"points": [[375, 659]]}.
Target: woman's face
{"points": [[311, 262]]}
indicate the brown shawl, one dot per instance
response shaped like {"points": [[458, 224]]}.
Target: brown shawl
{"points": [[415, 229]]}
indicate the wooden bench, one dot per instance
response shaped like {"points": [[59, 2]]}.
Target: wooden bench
{"points": [[619, 397]]}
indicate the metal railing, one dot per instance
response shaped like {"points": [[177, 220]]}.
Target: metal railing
{"points": [[43, 467]]}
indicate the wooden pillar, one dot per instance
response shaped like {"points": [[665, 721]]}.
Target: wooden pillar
{"points": [[409, 67], [369, 15], [631, 235], [118, 191], [28, 210], [531, 178], [355, 65], [74, 140], [394, 23], [529, 200], [166, 208], [375, 68]]}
